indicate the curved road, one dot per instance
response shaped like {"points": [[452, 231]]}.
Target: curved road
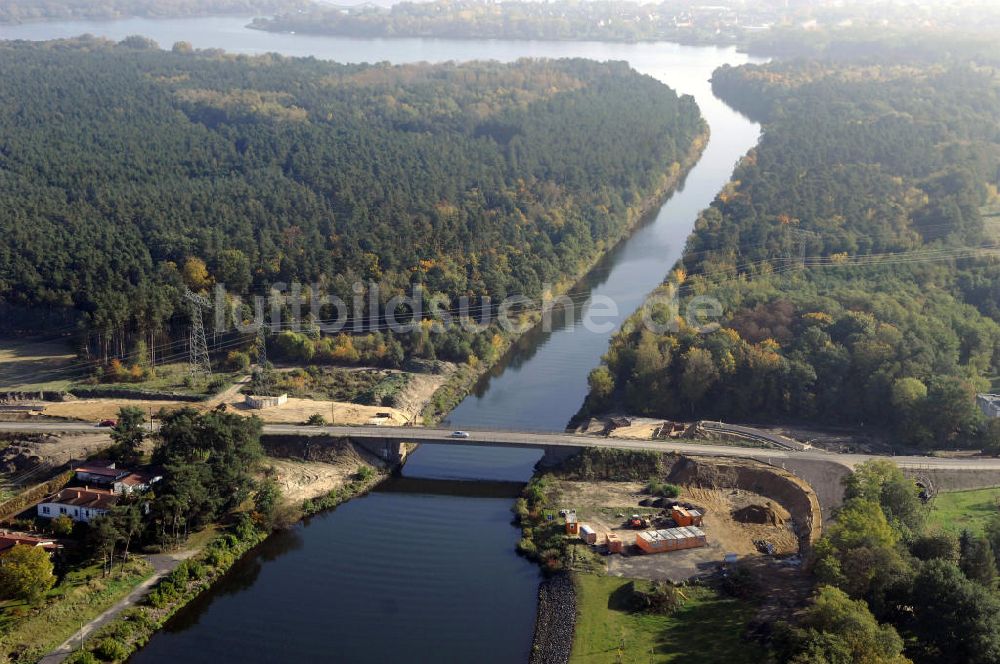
{"points": [[498, 438]]}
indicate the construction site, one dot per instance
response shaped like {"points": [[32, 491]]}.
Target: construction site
{"points": [[726, 512]]}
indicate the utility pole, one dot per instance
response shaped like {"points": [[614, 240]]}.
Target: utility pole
{"points": [[198, 351]]}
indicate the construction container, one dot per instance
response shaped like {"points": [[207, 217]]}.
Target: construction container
{"points": [[588, 534], [572, 527], [671, 539], [683, 516], [614, 543]]}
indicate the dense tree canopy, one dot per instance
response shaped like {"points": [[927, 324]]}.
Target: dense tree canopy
{"points": [[848, 255], [937, 594], [128, 173]]}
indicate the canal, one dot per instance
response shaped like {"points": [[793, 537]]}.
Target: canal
{"points": [[414, 571]]}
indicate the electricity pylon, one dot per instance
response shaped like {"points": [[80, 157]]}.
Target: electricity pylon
{"points": [[198, 349], [263, 377]]}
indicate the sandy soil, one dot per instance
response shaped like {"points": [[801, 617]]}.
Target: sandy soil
{"points": [[295, 411], [301, 480], [599, 504], [418, 393], [57, 450]]}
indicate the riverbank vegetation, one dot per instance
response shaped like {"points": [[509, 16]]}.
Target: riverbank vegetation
{"points": [[850, 256], [370, 387], [480, 179], [133, 628]]}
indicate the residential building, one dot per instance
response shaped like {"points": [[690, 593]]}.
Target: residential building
{"points": [[79, 504], [137, 481], [100, 473], [119, 480]]}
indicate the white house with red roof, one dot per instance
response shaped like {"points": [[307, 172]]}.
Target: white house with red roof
{"points": [[78, 503]]}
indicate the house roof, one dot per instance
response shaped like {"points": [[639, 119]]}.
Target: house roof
{"points": [[9, 540], [139, 478], [102, 469], [99, 499]]}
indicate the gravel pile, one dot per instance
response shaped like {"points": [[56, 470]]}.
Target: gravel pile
{"points": [[556, 620]]}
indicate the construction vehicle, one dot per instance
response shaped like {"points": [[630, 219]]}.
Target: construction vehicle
{"points": [[638, 521]]}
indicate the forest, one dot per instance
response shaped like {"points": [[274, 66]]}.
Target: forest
{"points": [[129, 173], [771, 27], [854, 254], [22, 11], [474, 19]]}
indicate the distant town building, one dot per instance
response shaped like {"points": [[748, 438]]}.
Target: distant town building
{"points": [[79, 504]]}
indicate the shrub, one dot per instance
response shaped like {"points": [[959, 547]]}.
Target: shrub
{"points": [[664, 489], [220, 559], [82, 657], [315, 420], [661, 598], [111, 650], [215, 385], [237, 360], [121, 630], [62, 526], [364, 473], [181, 575]]}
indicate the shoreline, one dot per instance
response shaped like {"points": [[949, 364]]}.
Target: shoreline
{"points": [[555, 620]]}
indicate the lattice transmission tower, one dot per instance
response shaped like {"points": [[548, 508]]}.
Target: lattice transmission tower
{"points": [[262, 382], [198, 349]]}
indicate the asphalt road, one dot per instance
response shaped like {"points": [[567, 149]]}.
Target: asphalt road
{"points": [[543, 440]]}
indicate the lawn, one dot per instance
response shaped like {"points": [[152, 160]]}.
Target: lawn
{"points": [[965, 510], [35, 365], [707, 628]]}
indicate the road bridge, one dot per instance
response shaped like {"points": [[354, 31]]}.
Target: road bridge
{"points": [[555, 440]]}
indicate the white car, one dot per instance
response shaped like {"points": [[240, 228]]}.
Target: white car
{"points": [[459, 434]]}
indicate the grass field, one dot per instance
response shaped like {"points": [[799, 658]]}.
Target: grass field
{"points": [[707, 629], [31, 365], [174, 377], [965, 510]]}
